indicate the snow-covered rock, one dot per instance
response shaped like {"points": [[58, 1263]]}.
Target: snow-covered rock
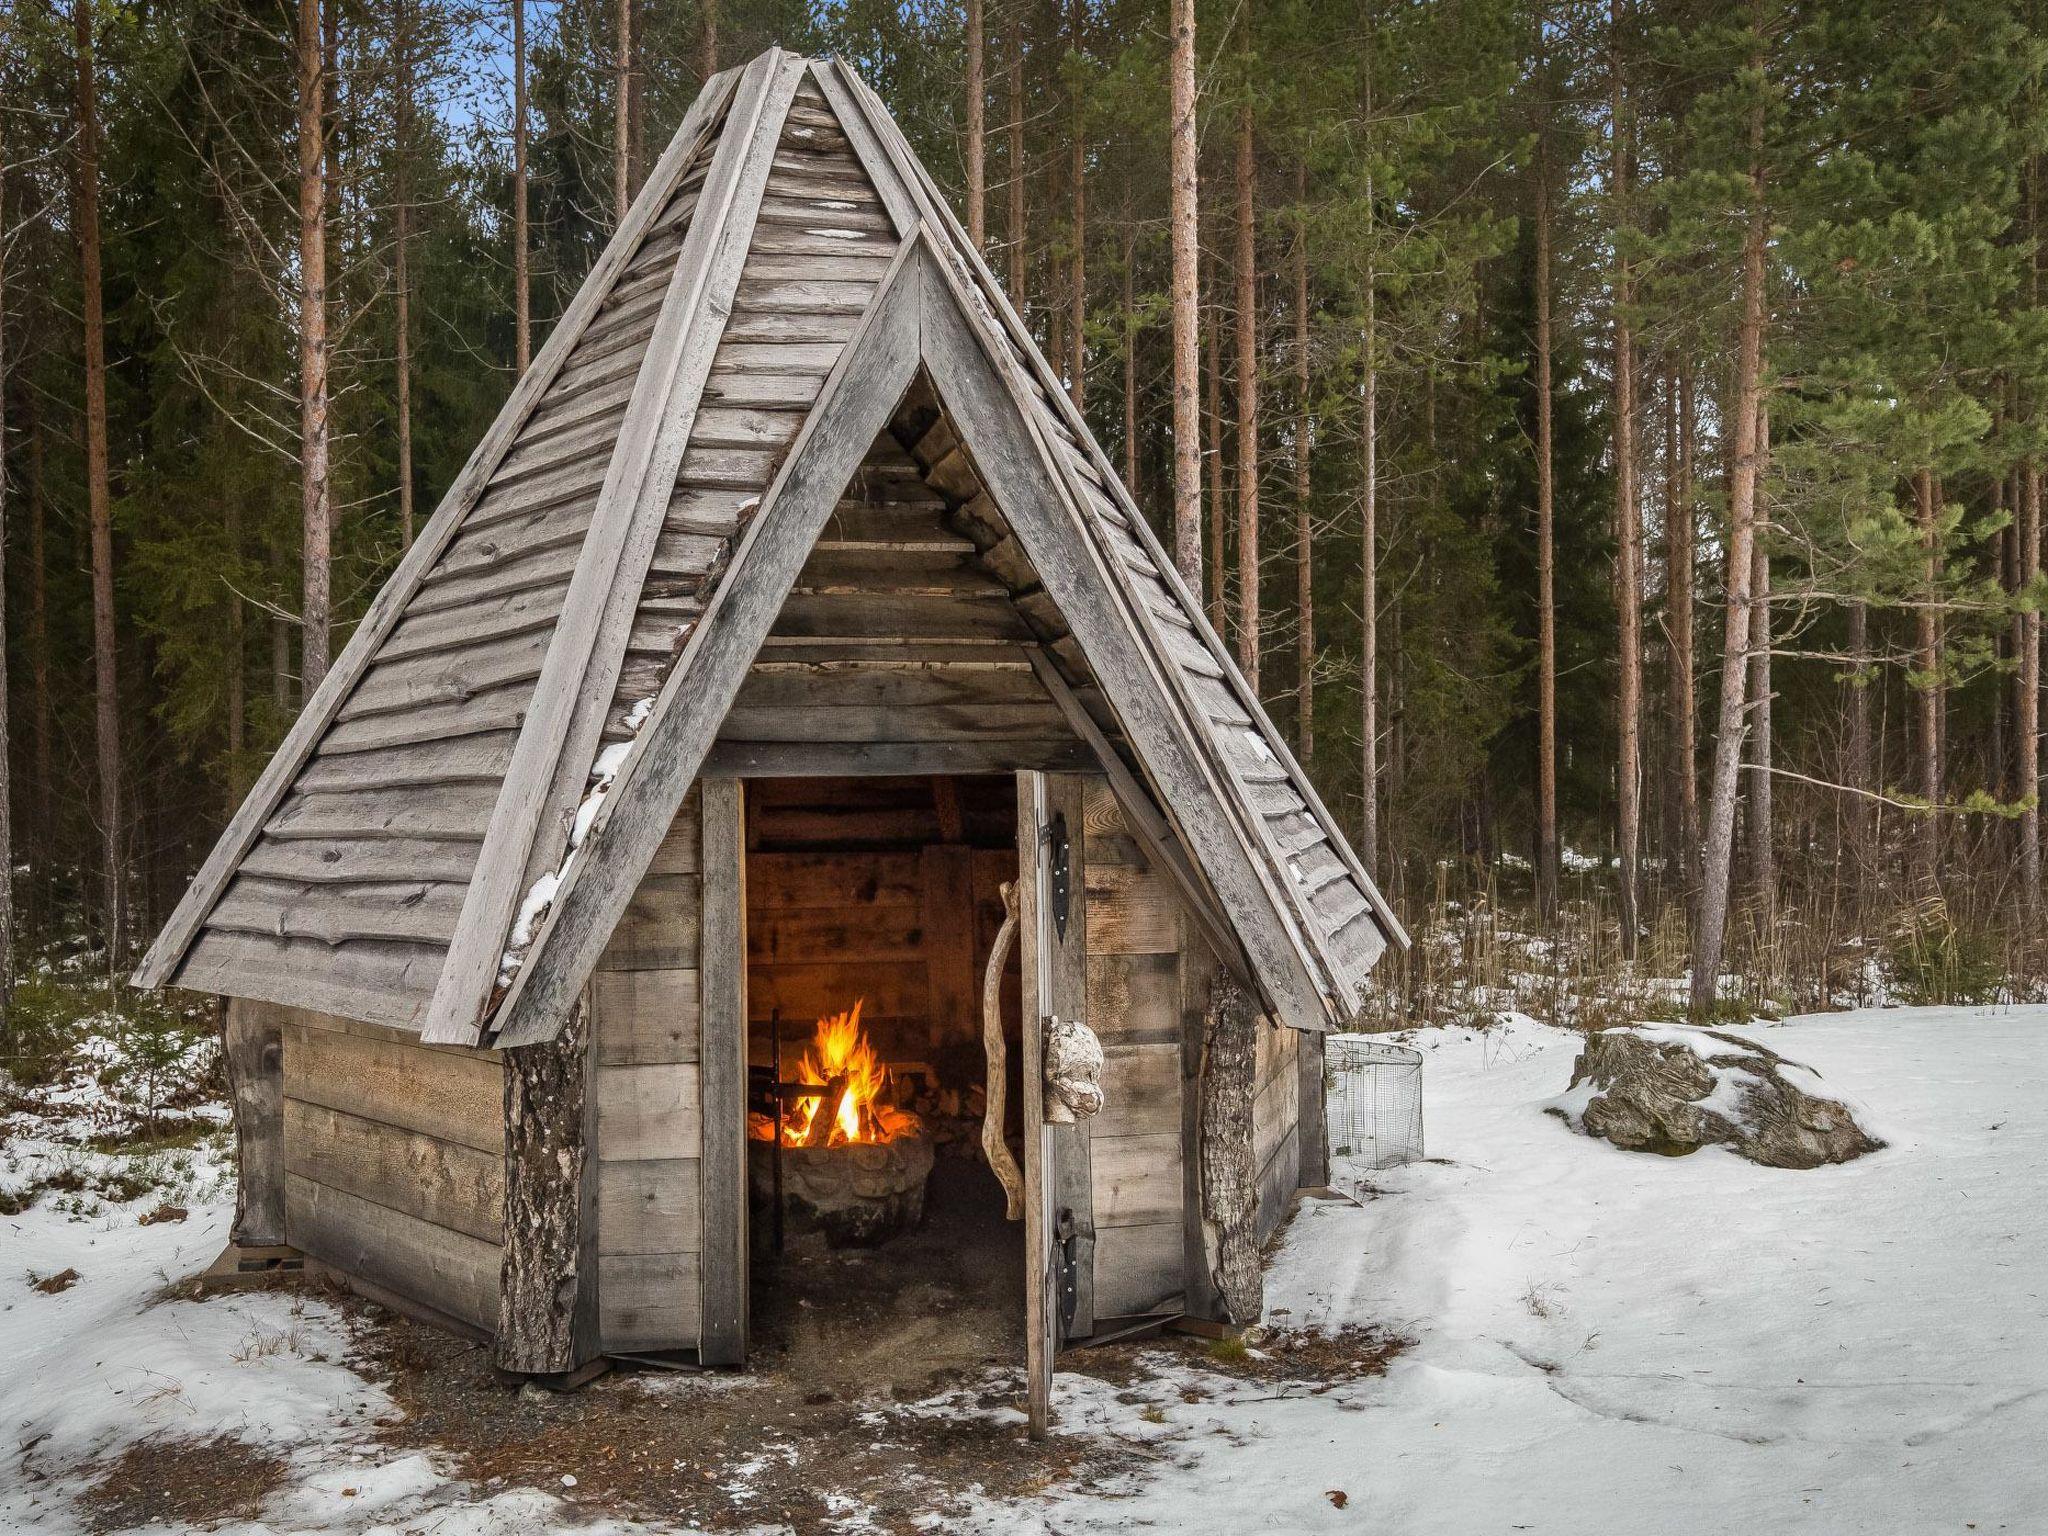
{"points": [[1651, 1088]]}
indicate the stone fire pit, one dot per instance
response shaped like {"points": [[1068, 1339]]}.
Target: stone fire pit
{"points": [[857, 1194]]}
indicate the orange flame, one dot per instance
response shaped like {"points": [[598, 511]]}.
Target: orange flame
{"points": [[841, 1061]]}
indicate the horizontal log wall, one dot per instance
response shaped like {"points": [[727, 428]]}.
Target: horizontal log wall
{"points": [[1135, 1143], [394, 1161], [646, 1009]]}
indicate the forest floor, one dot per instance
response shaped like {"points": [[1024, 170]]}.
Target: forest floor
{"points": [[1529, 1331]]}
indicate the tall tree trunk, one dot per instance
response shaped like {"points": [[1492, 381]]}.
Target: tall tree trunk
{"points": [[636, 105], [237, 702], [1859, 770], [1763, 871], [280, 665], [1130, 358], [6, 746], [401, 273], [522, 271], [1013, 68], [39, 634], [315, 491], [1627, 512], [106, 691], [622, 110], [707, 40], [1077, 175], [2027, 716], [1219, 607], [977, 131], [1247, 403], [1187, 416], [1678, 616], [1369, 596], [1546, 537], [1927, 692], [1304, 437], [1711, 928]]}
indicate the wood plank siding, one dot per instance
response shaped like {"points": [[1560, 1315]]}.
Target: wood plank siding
{"points": [[646, 1008], [394, 1161], [1135, 946]]}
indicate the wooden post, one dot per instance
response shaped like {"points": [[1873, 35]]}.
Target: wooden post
{"points": [[1230, 1181], [254, 1049], [547, 1290], [1310, 1123], [722, 1074], [1033, 933]]}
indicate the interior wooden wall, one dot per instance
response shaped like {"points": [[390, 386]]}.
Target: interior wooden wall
{"points": [[394, 1159], [884, 891], [646, 1010]]}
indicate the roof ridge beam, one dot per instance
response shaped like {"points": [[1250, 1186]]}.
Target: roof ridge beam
{"points": [[558, 738]]}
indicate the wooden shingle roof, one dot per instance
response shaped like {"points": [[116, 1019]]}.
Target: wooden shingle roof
{"points": [[454, 826]]}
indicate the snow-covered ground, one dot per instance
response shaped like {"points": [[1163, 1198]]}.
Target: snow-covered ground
{"points": [[1615, 1342], [1604, 1341]]}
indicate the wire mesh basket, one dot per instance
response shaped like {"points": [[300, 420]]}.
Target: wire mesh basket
{"points": [[1373, 1098]]}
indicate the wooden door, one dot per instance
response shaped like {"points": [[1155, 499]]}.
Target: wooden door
{"points": [[1058, 1215]]}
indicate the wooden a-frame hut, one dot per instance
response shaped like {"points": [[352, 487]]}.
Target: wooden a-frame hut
{"points": [[787, 613]]}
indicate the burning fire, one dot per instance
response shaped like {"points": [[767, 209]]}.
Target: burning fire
{"points": [[841, 1062]]}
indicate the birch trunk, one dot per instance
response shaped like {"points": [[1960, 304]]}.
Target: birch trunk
{"points": [[547, 1282], [1187, 419], [1229, 1168]]}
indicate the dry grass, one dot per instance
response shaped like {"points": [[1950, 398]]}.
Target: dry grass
{"points": [[201, 1483]]}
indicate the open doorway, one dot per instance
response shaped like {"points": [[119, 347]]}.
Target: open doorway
{"points": [[880, 1251]]}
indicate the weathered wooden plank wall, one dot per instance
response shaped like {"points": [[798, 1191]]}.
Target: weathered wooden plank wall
{"points": [[1276, 1117], [647, 1007], [394, 1160], [1135, 1143]]}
